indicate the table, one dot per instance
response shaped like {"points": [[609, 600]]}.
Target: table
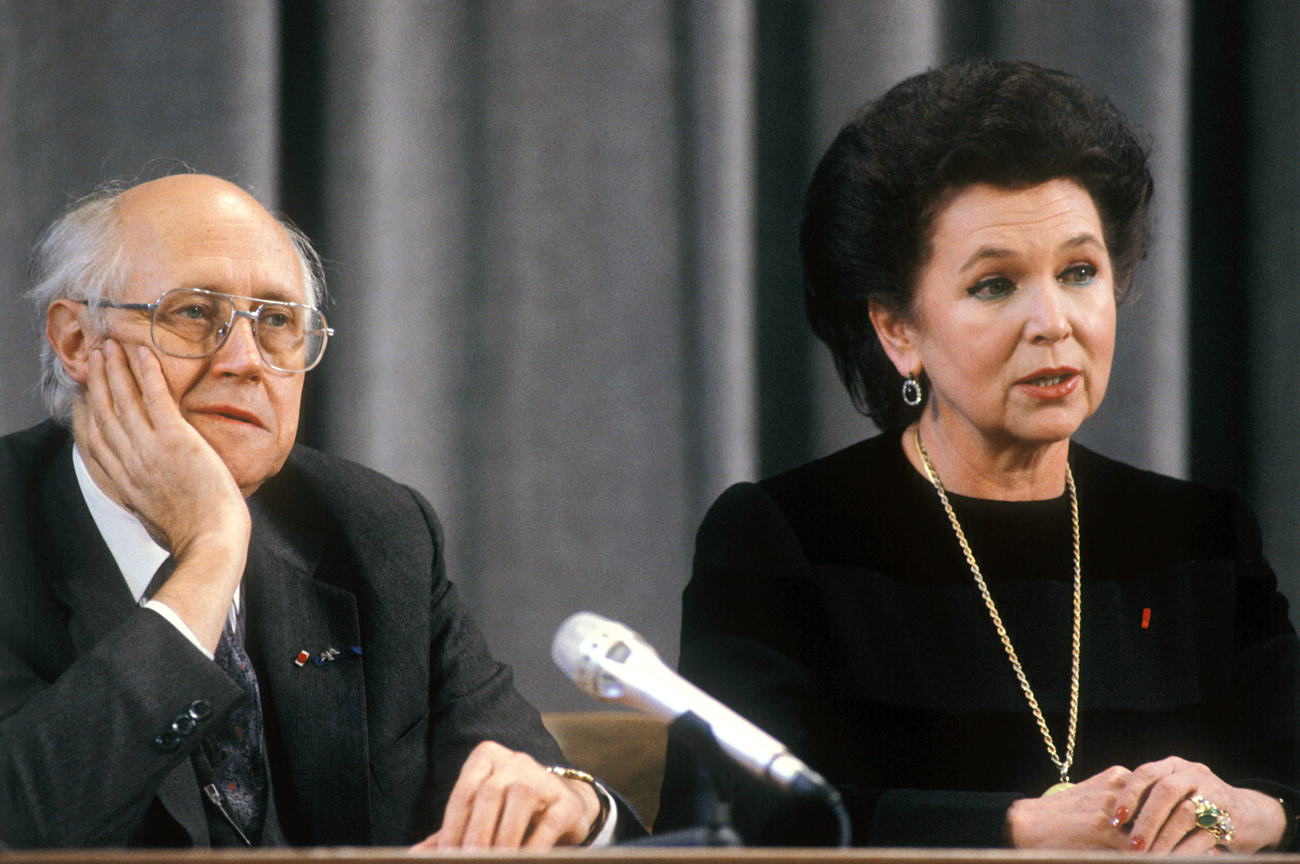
{"points": [[599, 856]]}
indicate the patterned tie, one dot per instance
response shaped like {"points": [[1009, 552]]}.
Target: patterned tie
{"points": [[235, 751]]}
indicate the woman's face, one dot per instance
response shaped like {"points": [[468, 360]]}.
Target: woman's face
{"points": [[1014, 315]]}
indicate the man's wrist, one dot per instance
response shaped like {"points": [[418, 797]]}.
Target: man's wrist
{"points": [[603, 799], [179, 623], [227, 540]]}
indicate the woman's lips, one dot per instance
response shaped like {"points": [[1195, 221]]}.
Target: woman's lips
{"points": [[1050, 383]]}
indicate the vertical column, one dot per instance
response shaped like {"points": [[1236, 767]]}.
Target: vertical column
{"points": [[397, 229], [503, 195], [719, 254], [1137, 54], [1273, 375], [19, 370], [100, 91], [575, 397], [859, 51]]}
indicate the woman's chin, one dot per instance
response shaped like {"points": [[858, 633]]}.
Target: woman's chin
{"points": [[1047, 430], [1052, 422]]}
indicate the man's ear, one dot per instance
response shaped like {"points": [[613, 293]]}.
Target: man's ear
{"points": [[896, 337], [71, 336]]}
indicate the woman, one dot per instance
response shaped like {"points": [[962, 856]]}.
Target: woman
{"points": [[969, 611]]}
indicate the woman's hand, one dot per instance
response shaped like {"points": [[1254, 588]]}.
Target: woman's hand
{"points": [[1080, 817], [1157, 799], [1147, 809]]}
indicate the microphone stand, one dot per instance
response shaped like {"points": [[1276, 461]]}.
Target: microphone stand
{"points": [[717, 784], [718, 779]]}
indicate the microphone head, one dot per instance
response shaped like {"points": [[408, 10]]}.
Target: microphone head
{"points": [[582, 645], [569, 643]]}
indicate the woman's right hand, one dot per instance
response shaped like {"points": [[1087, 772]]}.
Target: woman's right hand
{"points": [[1080, 817], [1147, 809]]}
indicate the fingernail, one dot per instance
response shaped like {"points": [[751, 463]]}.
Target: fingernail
{"points": [[1137, 843], [1121, 816]]}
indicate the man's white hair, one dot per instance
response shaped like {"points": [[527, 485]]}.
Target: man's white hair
{"points": [[82, 256]]}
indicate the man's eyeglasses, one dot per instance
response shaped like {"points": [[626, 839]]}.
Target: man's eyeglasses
{"points": [[194, 322]]}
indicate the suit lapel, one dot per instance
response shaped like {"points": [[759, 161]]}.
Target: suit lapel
{"points": [[83, 574], [85, 578], [318, 713]]}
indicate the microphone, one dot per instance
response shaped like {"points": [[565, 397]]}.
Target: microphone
{"points": [[613, 663]]}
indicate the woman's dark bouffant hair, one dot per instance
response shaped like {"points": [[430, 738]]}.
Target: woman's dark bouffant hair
{"points": [[872, 202]]}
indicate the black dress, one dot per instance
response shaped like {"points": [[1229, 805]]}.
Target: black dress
{"points": [[833, 606]]}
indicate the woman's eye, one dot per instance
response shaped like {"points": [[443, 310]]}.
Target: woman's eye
{"points": [[998, 286], [1079, 274]]}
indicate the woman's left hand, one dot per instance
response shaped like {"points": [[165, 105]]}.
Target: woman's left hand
{"points": [[1156, 798]]}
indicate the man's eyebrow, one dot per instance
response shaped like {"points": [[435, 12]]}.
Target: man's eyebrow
{"points": [[279, 297], [272, 295], [985, 253]]}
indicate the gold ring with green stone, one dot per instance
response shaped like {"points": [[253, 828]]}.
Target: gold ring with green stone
{"points": [[1214, 819]]}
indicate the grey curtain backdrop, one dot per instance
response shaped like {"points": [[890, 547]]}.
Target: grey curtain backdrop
{"points": [[561, 238]]}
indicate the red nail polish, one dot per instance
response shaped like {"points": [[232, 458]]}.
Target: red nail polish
{"points": [[1137, 843], [1121, 817]]}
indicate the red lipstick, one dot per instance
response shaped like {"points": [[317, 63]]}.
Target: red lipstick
{"points": [[1054, 383]]}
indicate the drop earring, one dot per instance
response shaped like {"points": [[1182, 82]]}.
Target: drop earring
{"points": [[912, 391]]}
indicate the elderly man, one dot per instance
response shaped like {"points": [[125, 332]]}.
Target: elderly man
{"points": [[208, 635]]}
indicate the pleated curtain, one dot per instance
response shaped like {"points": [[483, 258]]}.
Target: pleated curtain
{"points": [[561, 239]]}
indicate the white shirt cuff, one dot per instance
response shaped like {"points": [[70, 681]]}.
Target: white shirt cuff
{"points": [[166, 611], [606, 835]]}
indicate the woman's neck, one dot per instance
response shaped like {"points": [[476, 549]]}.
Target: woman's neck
{"points": [[976, 467]]}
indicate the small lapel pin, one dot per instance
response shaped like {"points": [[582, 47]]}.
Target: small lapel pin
{"points": [[326, 656]]}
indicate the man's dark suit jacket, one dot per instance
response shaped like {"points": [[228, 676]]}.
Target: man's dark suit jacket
{"points": [[362, 750]]}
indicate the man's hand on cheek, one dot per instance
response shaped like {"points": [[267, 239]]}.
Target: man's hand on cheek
{"points": [[161, 468], [164, 472]]}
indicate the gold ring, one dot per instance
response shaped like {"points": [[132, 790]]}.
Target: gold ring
{"points": [[1214, 819]]}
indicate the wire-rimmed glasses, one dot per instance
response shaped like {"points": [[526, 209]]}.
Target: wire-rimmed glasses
{"points": [[195, 322]]}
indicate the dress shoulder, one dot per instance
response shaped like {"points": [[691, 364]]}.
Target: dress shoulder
{"points": [[746, 529], [843, 476], [1146, 517]]}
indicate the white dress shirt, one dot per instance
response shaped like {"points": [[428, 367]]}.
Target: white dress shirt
{"points": [[136, 553]]}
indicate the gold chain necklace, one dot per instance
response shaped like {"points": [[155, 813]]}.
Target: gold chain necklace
{"points": [[1062, 766]]}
